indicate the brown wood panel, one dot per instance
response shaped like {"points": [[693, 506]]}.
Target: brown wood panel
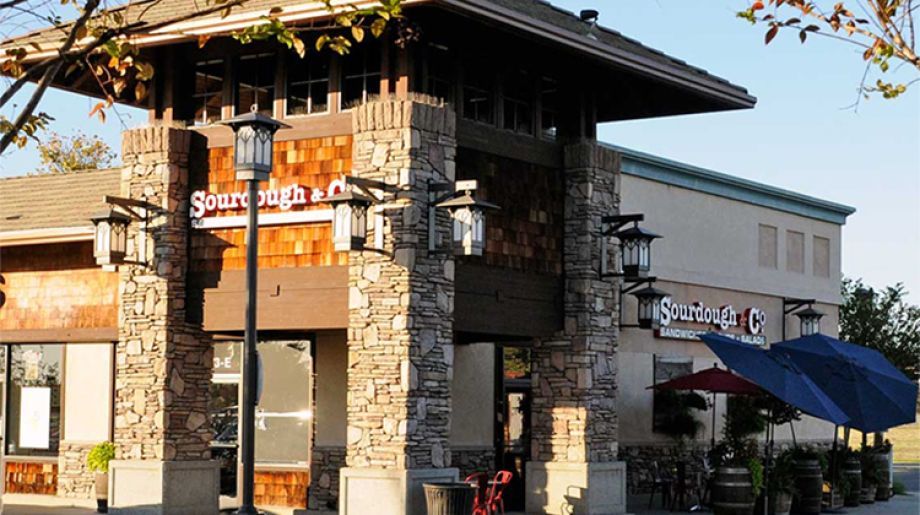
{"points": [[311, 163], [26, 477], [501, 302], [282, 488], [309, 298], [526, 234], [55, 287]]}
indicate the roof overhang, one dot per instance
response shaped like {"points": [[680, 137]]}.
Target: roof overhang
{"points": [[45, 236]]}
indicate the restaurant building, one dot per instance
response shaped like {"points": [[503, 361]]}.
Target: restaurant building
{"points": [[409, 361]]}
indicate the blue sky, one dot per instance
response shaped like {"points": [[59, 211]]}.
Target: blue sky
{"points": [[801, 135]]}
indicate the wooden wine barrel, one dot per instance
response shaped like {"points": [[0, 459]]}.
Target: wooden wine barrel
{"points": [[852, 473], [883, 492], [732, 491], [808, 483]]}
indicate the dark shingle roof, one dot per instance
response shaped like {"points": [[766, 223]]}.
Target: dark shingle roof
{"points": [[55, 200]]}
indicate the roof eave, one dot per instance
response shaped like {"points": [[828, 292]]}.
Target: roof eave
{"points": [[734, 97]]}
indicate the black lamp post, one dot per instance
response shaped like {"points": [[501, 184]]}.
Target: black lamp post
{"points": [[252, 161]]}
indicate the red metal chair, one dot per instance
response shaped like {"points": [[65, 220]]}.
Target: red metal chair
{"points": [[495, 502], [481, 480]]}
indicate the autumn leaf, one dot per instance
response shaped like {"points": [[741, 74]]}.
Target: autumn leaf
{"points": [[770, 34], [99, 109], [203, 40], [756, 6], [299, 46], [357, 33]]}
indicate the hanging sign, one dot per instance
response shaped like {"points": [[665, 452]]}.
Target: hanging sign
{"points": [[204, 205], [720, 319], [35, 417]]}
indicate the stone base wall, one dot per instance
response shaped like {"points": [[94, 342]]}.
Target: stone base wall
{"points": [[473, 460], [75, 480], [640, 460], [324, 471]]}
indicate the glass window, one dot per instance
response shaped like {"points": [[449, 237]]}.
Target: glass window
{"points": [[284, 416], [362, 74], [517, 97], [308, 84], [478, 94], [549, 107], [208, 96], [34, 407], [440, 83], [664, 404], [255, 83]]}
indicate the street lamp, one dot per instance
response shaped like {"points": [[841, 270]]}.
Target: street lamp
{"points": [[809, 320], [649, 306], [252, 162], [110, 237]]}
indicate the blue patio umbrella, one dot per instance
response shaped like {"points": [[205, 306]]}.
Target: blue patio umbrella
{"points": [[873, 393], [777, 374]]}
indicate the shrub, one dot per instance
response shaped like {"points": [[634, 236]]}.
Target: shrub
{"points": [[99, 457]]}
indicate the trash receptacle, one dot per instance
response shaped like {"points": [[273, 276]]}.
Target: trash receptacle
{"points": [[449, 498]]}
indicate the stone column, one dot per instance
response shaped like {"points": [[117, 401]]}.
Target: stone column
{"points": [[400, 335], [162, 363], [574, 417]]}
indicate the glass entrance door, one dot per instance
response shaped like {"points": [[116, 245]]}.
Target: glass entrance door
{"points": [[515, 410], [223, 406]]}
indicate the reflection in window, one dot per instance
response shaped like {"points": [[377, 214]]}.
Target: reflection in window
{"points": [[517, 98], [516, 362], [307, 84], [549, 107], [362, 74], [664, 404], [478, 103], [284, 416], [255, 83], [34, 400], [208, 95]]}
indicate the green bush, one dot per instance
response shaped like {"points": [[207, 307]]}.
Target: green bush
{"points": [[99, 457], [756, 468], [899, 488], [782, 473]]}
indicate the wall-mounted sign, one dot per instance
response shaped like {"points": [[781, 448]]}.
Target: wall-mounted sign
{"points": [[720, 319], [205, 205], [35, 417]]}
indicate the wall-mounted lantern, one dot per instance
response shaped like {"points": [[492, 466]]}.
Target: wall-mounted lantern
{"points": [[636, 250], [809, 320], [349, 220], [110, 237], [110, 234], [649, 299], [809, 317], [468, 231]]}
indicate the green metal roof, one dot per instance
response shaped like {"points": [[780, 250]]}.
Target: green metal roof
{"points": [[666, 171]]}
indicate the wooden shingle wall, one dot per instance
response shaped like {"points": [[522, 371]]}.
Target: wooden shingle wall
{"points": [[311, 163], [56, 286]]}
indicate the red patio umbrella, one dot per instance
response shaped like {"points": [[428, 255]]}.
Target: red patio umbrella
{"points": [[714, 380]]}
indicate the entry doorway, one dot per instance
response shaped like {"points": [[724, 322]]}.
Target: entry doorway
{"points": [[513, 419]]}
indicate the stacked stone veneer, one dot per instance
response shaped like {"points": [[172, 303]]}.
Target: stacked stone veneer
{"points": [[75, 480], [472, 460], [400, 334], [574, 394], [325, 463], [163, 364]]}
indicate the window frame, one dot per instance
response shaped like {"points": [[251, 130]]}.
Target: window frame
{"points": [[196, 97], [287, 85]]}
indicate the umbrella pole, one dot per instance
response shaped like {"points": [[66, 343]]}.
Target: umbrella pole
{"points": [[712, 440], [834, 464], [768, 454], [795, 444]]}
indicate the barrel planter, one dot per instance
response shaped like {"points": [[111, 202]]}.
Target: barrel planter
{"points": [[832, 500], [732, 491], [808, 483], [780, 503], [449, 498], [867, 494], [852, 473], [883, 490]]}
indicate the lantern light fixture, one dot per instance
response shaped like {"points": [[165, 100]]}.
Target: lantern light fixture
{"points": [[649, 300], [349, 220], [636, 251], [254, 135], [467, 213], [809, 321], [110, 236]]}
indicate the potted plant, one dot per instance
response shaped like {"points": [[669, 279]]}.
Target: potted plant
{"points": [[809, 480], [781, 483], [98, 461], [739, 471], [871, 473], [836, 486], [882, 453]]}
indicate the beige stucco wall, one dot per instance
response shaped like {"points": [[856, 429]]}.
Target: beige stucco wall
{"points": [[473, 394], [711, 240], [709, 253], [330, 377], [87, 392]]}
